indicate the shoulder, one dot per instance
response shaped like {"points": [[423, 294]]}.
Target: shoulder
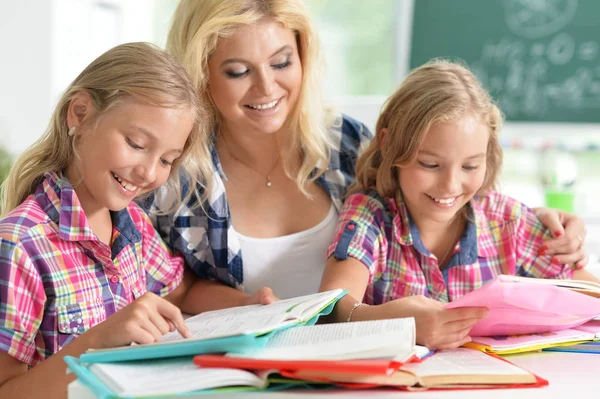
{"points": [[21, 220], [349, 132], [369, 205], [501, 208]]}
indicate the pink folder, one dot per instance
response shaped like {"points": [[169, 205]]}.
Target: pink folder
{"points": [[527, 308]]}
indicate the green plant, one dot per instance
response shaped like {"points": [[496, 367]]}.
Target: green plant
{"points": [[5, 163]]}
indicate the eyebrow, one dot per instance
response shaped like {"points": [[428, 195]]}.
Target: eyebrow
{"points": [[480, 155], [241, 60], [153, 136]]}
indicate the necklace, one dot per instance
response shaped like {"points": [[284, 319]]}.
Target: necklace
{"points": [[269, 183]]}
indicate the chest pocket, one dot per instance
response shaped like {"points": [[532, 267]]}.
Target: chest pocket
{"points": [[75, 319]]}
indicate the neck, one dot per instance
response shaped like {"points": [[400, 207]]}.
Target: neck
{"points": [[258, 151], [439, 236], [98, 217]]}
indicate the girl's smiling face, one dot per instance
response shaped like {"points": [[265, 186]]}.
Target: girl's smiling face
{"points": [[449, 170], [128, 151]]}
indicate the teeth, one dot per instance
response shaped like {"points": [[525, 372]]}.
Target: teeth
{"points": [[128, 186], [444, 201], [264, 106]]}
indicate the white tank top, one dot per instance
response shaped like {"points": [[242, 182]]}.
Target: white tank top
{"points": [[291, 265]]}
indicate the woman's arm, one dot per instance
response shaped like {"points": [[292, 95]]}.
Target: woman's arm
{"points": [[569, 234], [195, 295], [582, 274]]}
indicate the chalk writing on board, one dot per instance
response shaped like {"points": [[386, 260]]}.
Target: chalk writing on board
{"points": [[518, 70]]}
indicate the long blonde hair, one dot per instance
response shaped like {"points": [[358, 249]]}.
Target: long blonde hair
{"points": [[438, 91], [198, 25], [133, 69]]}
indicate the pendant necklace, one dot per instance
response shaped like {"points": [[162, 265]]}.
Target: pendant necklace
{"points": [[269, 183]]}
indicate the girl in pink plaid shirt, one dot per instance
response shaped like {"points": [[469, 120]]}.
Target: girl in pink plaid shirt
{"points": [[422, 225], [80, 264]]}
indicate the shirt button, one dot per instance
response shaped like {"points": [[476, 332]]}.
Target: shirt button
{"points": [[190, 246], [351, 227], [79, 320], [114, 279]]}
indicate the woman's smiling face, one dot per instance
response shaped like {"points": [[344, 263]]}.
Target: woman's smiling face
{"points": [[255, 77]]}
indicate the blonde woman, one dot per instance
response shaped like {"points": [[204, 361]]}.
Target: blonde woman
{"points": [[423, 225], [80, 264], [283, 162]]}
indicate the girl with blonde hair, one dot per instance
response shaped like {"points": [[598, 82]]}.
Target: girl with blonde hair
{"points": [[80, 264], [282, 160], [422, 225]]}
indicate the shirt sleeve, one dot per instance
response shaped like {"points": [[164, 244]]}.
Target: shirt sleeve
{"points": [[22, 300], [164, 270], [530, 235], [360, 233]]}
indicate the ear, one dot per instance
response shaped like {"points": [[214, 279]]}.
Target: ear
{"points": [[382, 136], [80, 109]]}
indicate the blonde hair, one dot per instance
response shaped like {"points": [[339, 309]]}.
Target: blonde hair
{"points": [[196, 28], [438, 91], [134, 69]]}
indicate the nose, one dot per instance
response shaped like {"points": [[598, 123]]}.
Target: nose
{"points": [[146, 170], [265, 82], [452, 181]]}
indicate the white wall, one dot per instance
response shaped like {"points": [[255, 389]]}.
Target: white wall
{"points": [[25, 72]]}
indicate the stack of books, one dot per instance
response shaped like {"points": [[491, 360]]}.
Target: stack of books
{"points": [[278, 346]]}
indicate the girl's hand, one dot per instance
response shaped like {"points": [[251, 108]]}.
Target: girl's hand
{"points": [[569, 234], [143, 321], [436, 327], [264, 296]]}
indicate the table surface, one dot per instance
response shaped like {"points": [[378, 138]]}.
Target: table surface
{"points": [[567, 373]]}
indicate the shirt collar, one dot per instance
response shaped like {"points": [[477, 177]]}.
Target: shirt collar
{"points": [[476, 240], [58, 199]]}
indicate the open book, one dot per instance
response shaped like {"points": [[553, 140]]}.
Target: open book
{"points": [[504, 344], [373, 347], [590, 288], [520, 305], [462, 367], [235, 329], [381, 345]]}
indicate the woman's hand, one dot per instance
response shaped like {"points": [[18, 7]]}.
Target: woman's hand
{"points": [[264, 296], [569, 234], [143, 321], [436, 327]]}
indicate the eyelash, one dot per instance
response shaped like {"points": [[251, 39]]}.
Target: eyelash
{"points": [[234, 75], [137, 148], [433, 166]]}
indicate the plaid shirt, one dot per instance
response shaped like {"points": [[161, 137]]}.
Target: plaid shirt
{"points": [[205, 235], [503, 236], [57, 279]]}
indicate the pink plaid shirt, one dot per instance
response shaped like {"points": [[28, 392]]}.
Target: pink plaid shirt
{"points": [[503, 236], [57, 279]]}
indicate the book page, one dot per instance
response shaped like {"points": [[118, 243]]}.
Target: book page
{"points": [[358, 340], [168, 376], [591, 285], [251, 319], [513, 342], [462, 361]]}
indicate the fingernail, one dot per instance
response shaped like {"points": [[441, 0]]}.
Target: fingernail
{"points": [[554, 260], [558, 234], [543, 250]]}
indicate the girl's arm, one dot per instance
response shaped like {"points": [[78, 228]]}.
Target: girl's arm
{"points": [[436, 327], [582, 274], [143, 321]]}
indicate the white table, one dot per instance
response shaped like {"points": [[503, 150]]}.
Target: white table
{"points": [[569, 374]]}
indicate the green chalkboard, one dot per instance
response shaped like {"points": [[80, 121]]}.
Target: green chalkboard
{"points": [[540, 59]]}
